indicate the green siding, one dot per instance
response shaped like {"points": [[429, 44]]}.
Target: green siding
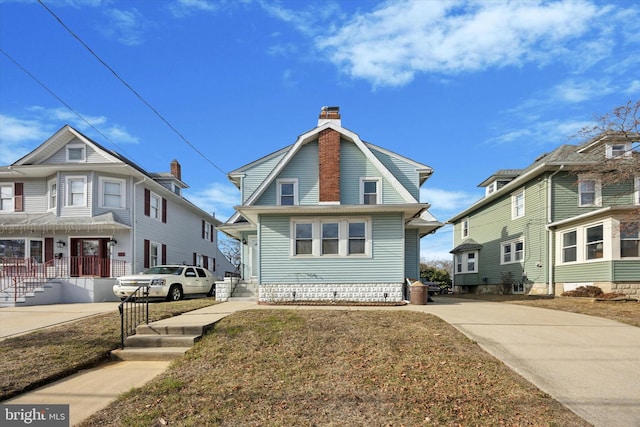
{"points": [[412, 254], [385, 266], [304, 167], [402, 170], [492, 225], [353, 166], [584, 272], [256, 175], [626, 271]]}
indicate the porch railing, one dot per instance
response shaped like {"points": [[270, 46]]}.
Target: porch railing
{"points": [[134, 310], [26, 274]]}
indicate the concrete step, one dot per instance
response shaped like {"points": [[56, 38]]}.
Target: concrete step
{"points": [[151, 341], [149, 354], [172, 329]]}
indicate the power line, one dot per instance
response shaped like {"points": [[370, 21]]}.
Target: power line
{"points": [[45, 87], [128, 86]]}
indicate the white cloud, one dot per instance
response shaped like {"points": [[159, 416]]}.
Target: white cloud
{"points": [[393, 43], [218, 198], [445, 202], [17, 137], [126, 26]]}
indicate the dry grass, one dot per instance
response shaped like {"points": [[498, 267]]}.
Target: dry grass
{"points": [[621, 311], [32, 360], [335, 368]]}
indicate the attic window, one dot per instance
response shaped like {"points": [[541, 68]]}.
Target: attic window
{"points": [[616, 151], [76, 153]]}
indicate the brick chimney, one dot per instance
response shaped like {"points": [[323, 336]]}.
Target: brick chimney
{"points": [[175, 169], [329, 114], [329, 158]]}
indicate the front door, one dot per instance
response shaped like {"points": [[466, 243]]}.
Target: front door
{"points": [[90, 257]]}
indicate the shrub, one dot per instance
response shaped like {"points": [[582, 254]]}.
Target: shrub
{"points": [[584, 291]]}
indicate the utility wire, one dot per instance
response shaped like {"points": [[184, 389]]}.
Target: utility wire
{"points": [[128, 86], [45, 87]]}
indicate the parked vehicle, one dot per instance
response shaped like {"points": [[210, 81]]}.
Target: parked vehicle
{"points": [[171, 282]]}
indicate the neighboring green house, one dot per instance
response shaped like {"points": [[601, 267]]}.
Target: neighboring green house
{"points": [[548, 228], [330, 218]]}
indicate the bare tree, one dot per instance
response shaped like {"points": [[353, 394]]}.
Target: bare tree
{"points": [[230, 248], [621, 125]]}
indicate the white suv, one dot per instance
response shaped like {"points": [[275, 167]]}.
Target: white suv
{"points": [[171, 282]]}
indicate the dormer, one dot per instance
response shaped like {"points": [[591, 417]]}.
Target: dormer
{"points": [[171, 180], [498, 180], [618, 150]]}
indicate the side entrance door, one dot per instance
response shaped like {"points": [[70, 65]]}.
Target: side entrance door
{"points": [[89, 257]]}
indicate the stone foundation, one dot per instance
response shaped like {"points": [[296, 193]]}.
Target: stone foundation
{"points": [[631, 290], [361, 292]]}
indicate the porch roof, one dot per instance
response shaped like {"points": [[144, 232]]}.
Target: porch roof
{"points": [[51, 222]]}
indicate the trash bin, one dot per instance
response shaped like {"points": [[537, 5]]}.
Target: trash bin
{"points": [[419, 293]]}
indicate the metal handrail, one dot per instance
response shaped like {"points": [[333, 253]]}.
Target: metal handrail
{"points": [[134, 310]]}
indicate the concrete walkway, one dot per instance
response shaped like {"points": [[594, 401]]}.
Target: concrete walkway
{"points": [[591, 365]]}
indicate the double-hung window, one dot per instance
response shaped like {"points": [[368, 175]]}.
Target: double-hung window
{"points": [[357, 237], [589, 193], [113, 193], [595, 242], [330, 238], [512, 252], [6, 198], [154, 254], [467, 262], [569, 246], [616, 151], [303, 238], [629, 239], [517, 204], [287, 192], [76, 191], [465, 228], [370, 191], [154, 203], [53, 194]]}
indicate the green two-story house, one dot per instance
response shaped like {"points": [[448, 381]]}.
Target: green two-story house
{"points": [[552, 226], [330, 218]]}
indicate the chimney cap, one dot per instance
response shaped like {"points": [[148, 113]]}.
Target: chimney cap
{"points": [[329, 114]]}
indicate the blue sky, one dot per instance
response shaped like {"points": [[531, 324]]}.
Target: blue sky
{"points": [[466, 87]]}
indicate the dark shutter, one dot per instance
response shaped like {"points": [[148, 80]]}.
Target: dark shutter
{"points": [[204, 224], [205, 262], [48, 249], [195, 258], [18, 190], [164, 254], [164, 210], [147, 202], [214, 264], [147, 247], [211, 233]]}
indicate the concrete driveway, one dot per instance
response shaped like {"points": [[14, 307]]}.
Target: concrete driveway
{"points": [[589, 364]]}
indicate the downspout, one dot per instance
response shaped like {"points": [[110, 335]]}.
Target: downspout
{"points": [[134, 228], [550, 234]]}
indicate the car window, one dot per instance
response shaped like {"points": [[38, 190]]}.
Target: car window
{"points": [[163, 270], [190, 272], [201, 272]]}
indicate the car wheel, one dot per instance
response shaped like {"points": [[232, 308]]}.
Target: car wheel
{"points": [[175, 293], [212, 291]]}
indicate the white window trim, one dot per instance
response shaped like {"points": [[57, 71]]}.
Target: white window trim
{"points": [[84, 153], [123, 191], [67, 187], [11, 205], [279, 183], [636, 194], [561, 246], [598, 192], [464, 231], [343, 237], [585, 243], [158, 216], [512, 244], [514, 199], [158, 257], [378, 181], [207, 231], [465, 262], [627, 150], [50, 184]]}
